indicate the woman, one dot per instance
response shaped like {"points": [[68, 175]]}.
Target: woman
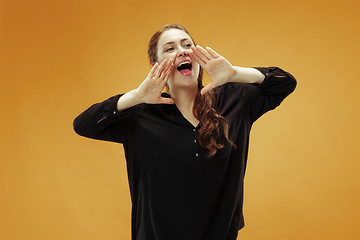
{"points": [[186, 149]]}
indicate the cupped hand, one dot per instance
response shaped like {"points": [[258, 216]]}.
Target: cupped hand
{"points": [[150, 89], [216, 66]]}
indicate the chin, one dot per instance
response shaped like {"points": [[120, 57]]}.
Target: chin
{"points": [[183, 82]]}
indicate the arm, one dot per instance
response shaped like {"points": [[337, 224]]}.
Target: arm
{"points": [[271, 91], [128, 100], [107, 120], [267, 87], [221, 71], [247, 75], [103, 121]]}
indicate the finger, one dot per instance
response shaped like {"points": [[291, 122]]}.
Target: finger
{"points": [[197, 59], [153, 69], [198, 56], [166, 77], [166, 69], [204, 52], [207, 88], [212, 52], [160, 69]]}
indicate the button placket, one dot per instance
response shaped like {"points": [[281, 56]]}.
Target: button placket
{"points": [[197, 149]]}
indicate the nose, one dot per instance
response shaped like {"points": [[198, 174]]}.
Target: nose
{"points": [[183, 53]]}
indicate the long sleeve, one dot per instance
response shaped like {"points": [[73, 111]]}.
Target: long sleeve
{"points": [[102, 121], [276, 86]]}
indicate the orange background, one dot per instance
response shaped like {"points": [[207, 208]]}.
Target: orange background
{"points": [[60, 57]]}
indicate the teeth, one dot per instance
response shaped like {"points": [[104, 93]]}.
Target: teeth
{"points": [[187, 62]]}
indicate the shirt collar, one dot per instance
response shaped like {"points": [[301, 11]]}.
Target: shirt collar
{"points": [[165, 94]]}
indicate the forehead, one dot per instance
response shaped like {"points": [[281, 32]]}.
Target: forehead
{"points": [[172, 35]]}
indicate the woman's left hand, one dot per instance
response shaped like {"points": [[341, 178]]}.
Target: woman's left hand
{"points": [[219, 69]]}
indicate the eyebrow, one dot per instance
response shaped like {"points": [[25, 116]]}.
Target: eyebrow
{"points": [[184, 39]]}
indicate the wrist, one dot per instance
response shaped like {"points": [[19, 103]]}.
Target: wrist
{"points": [[127, 100], [234, 75], [247, 75], [136, 96]]}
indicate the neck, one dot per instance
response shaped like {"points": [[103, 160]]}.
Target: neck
{"points": [[184, 99]]}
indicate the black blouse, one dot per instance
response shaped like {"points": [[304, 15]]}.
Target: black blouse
{"points": [[177, 192]]}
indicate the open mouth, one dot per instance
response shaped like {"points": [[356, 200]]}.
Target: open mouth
{"points": [[185, 68]]}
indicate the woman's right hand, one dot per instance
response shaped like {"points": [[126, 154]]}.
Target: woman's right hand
{"points": [[150, 89]]}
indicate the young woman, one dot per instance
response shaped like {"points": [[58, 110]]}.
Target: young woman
{"points": [[186, 148]]}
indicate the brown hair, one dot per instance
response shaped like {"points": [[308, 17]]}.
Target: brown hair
{"points": [[204, 104]]}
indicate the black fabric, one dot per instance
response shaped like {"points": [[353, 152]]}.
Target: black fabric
{"points": [[177, 192]]}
